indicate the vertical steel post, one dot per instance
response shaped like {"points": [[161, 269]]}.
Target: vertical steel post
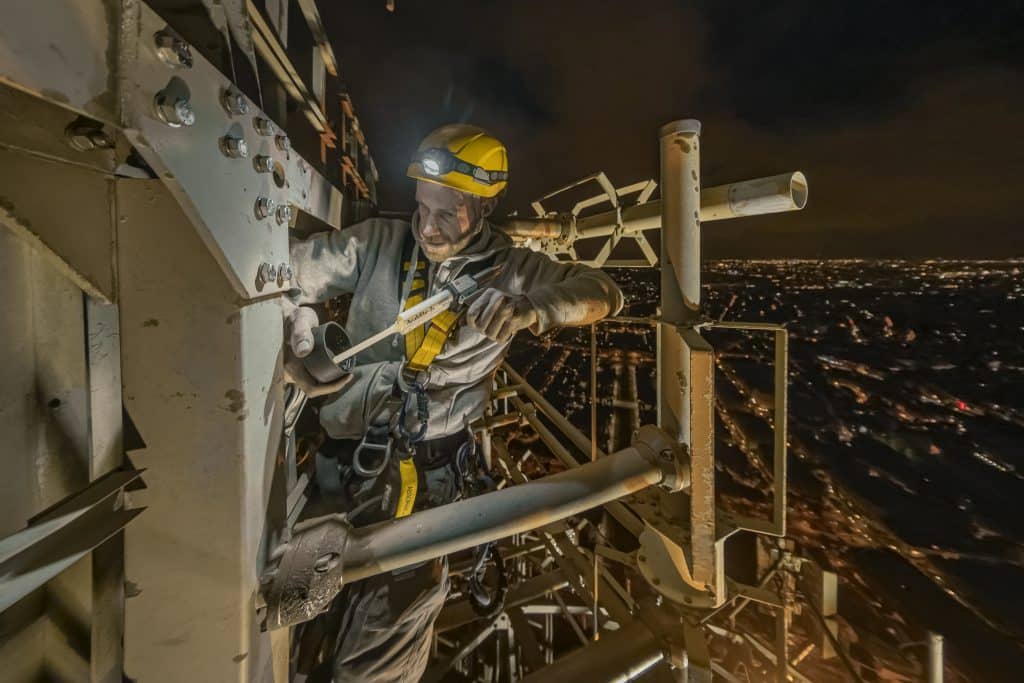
{"points": [[934, 658], [685, 363], [680, 221]]}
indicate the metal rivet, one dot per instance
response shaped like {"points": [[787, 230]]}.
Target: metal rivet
{"points": [[265, 206], [284, 214], [234, 147], [283, 143], [172, 50], [175, 113], [262, 163], [263, 126]]}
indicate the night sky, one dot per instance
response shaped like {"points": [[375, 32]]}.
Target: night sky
{"points": [[907, 117]]}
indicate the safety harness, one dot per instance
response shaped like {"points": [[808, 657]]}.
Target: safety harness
{"points": [[402, 435]]}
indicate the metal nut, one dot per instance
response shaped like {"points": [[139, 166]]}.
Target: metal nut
{"points": [[266, 274], [263, 164], [265, 206], [285, 272], [283, 143], [284, 214], [172, 50], [87, 137], [263, 126], [175, 113], [234, 102], [233, 147]]}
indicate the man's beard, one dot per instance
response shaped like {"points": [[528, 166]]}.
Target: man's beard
{"points": [[441, 251]]}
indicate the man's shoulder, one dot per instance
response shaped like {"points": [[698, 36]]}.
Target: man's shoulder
{"points": [[385, 228]]}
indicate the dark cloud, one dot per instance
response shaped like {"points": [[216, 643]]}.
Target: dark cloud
{"points": [[904, 116]]}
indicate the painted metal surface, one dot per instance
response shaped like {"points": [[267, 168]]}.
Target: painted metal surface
{"points": [[210, 412], [66, 62], [33, 208], [217, 192]]}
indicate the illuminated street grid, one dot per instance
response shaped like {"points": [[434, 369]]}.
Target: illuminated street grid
{"points": [[906, 429]]}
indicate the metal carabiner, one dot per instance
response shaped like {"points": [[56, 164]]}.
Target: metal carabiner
{"points": [[422, 416]]}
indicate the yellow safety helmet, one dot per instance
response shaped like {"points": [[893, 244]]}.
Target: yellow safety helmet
{"points": [[464, 158]]}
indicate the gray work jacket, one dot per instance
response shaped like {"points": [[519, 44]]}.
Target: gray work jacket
{"points": [[365, 260]]}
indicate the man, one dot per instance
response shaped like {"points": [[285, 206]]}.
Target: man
{"points": [[387, 265]]}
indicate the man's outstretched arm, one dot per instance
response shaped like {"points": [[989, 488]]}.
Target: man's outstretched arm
{"points": [[553, 294]]}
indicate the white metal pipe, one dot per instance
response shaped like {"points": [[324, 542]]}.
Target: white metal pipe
{"points": [[934, 658], [440, 531], [680, 220], [760, 196]]}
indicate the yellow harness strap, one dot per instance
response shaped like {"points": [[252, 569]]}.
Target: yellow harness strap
{"points": [[407, 491], [423, 345]]}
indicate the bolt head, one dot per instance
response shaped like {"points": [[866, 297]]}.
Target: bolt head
{"points": [[183, 110], [174, 113], [234, 102], [263, 126], [284, 214], [235, 148], [267, 273], [285, 271], [100, 139], [172, 50], [85, 137], [263, 163], [283, 143], [265, 206]]}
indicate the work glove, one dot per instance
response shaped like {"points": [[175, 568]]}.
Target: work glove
{"points": [[498, 316], [299, 322]]}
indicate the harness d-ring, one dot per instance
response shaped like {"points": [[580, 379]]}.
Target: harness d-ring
{"points": [[371, 472]]}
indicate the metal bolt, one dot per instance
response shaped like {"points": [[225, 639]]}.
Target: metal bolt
{"points": [[234, 102], [174, 113], [265, 206], [283, 143], [266, 274], [284, 214], [285, 271], [263, 126], [263, 163], [172, 50], [234, 147], [87, 137]]}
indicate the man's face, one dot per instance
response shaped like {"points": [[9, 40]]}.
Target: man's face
{"points": [[446, 220]]}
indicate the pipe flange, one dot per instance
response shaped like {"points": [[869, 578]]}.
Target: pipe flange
{"points": [[309, 573], [672, 458]]}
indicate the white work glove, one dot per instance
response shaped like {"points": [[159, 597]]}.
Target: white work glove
{"points": [[498, 315], [299, 322]]}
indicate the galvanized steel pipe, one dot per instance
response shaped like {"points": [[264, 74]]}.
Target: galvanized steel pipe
{"points": [[439, 531]]}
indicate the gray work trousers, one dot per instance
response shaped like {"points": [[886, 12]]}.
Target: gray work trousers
{"points": [[387, 620]]}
